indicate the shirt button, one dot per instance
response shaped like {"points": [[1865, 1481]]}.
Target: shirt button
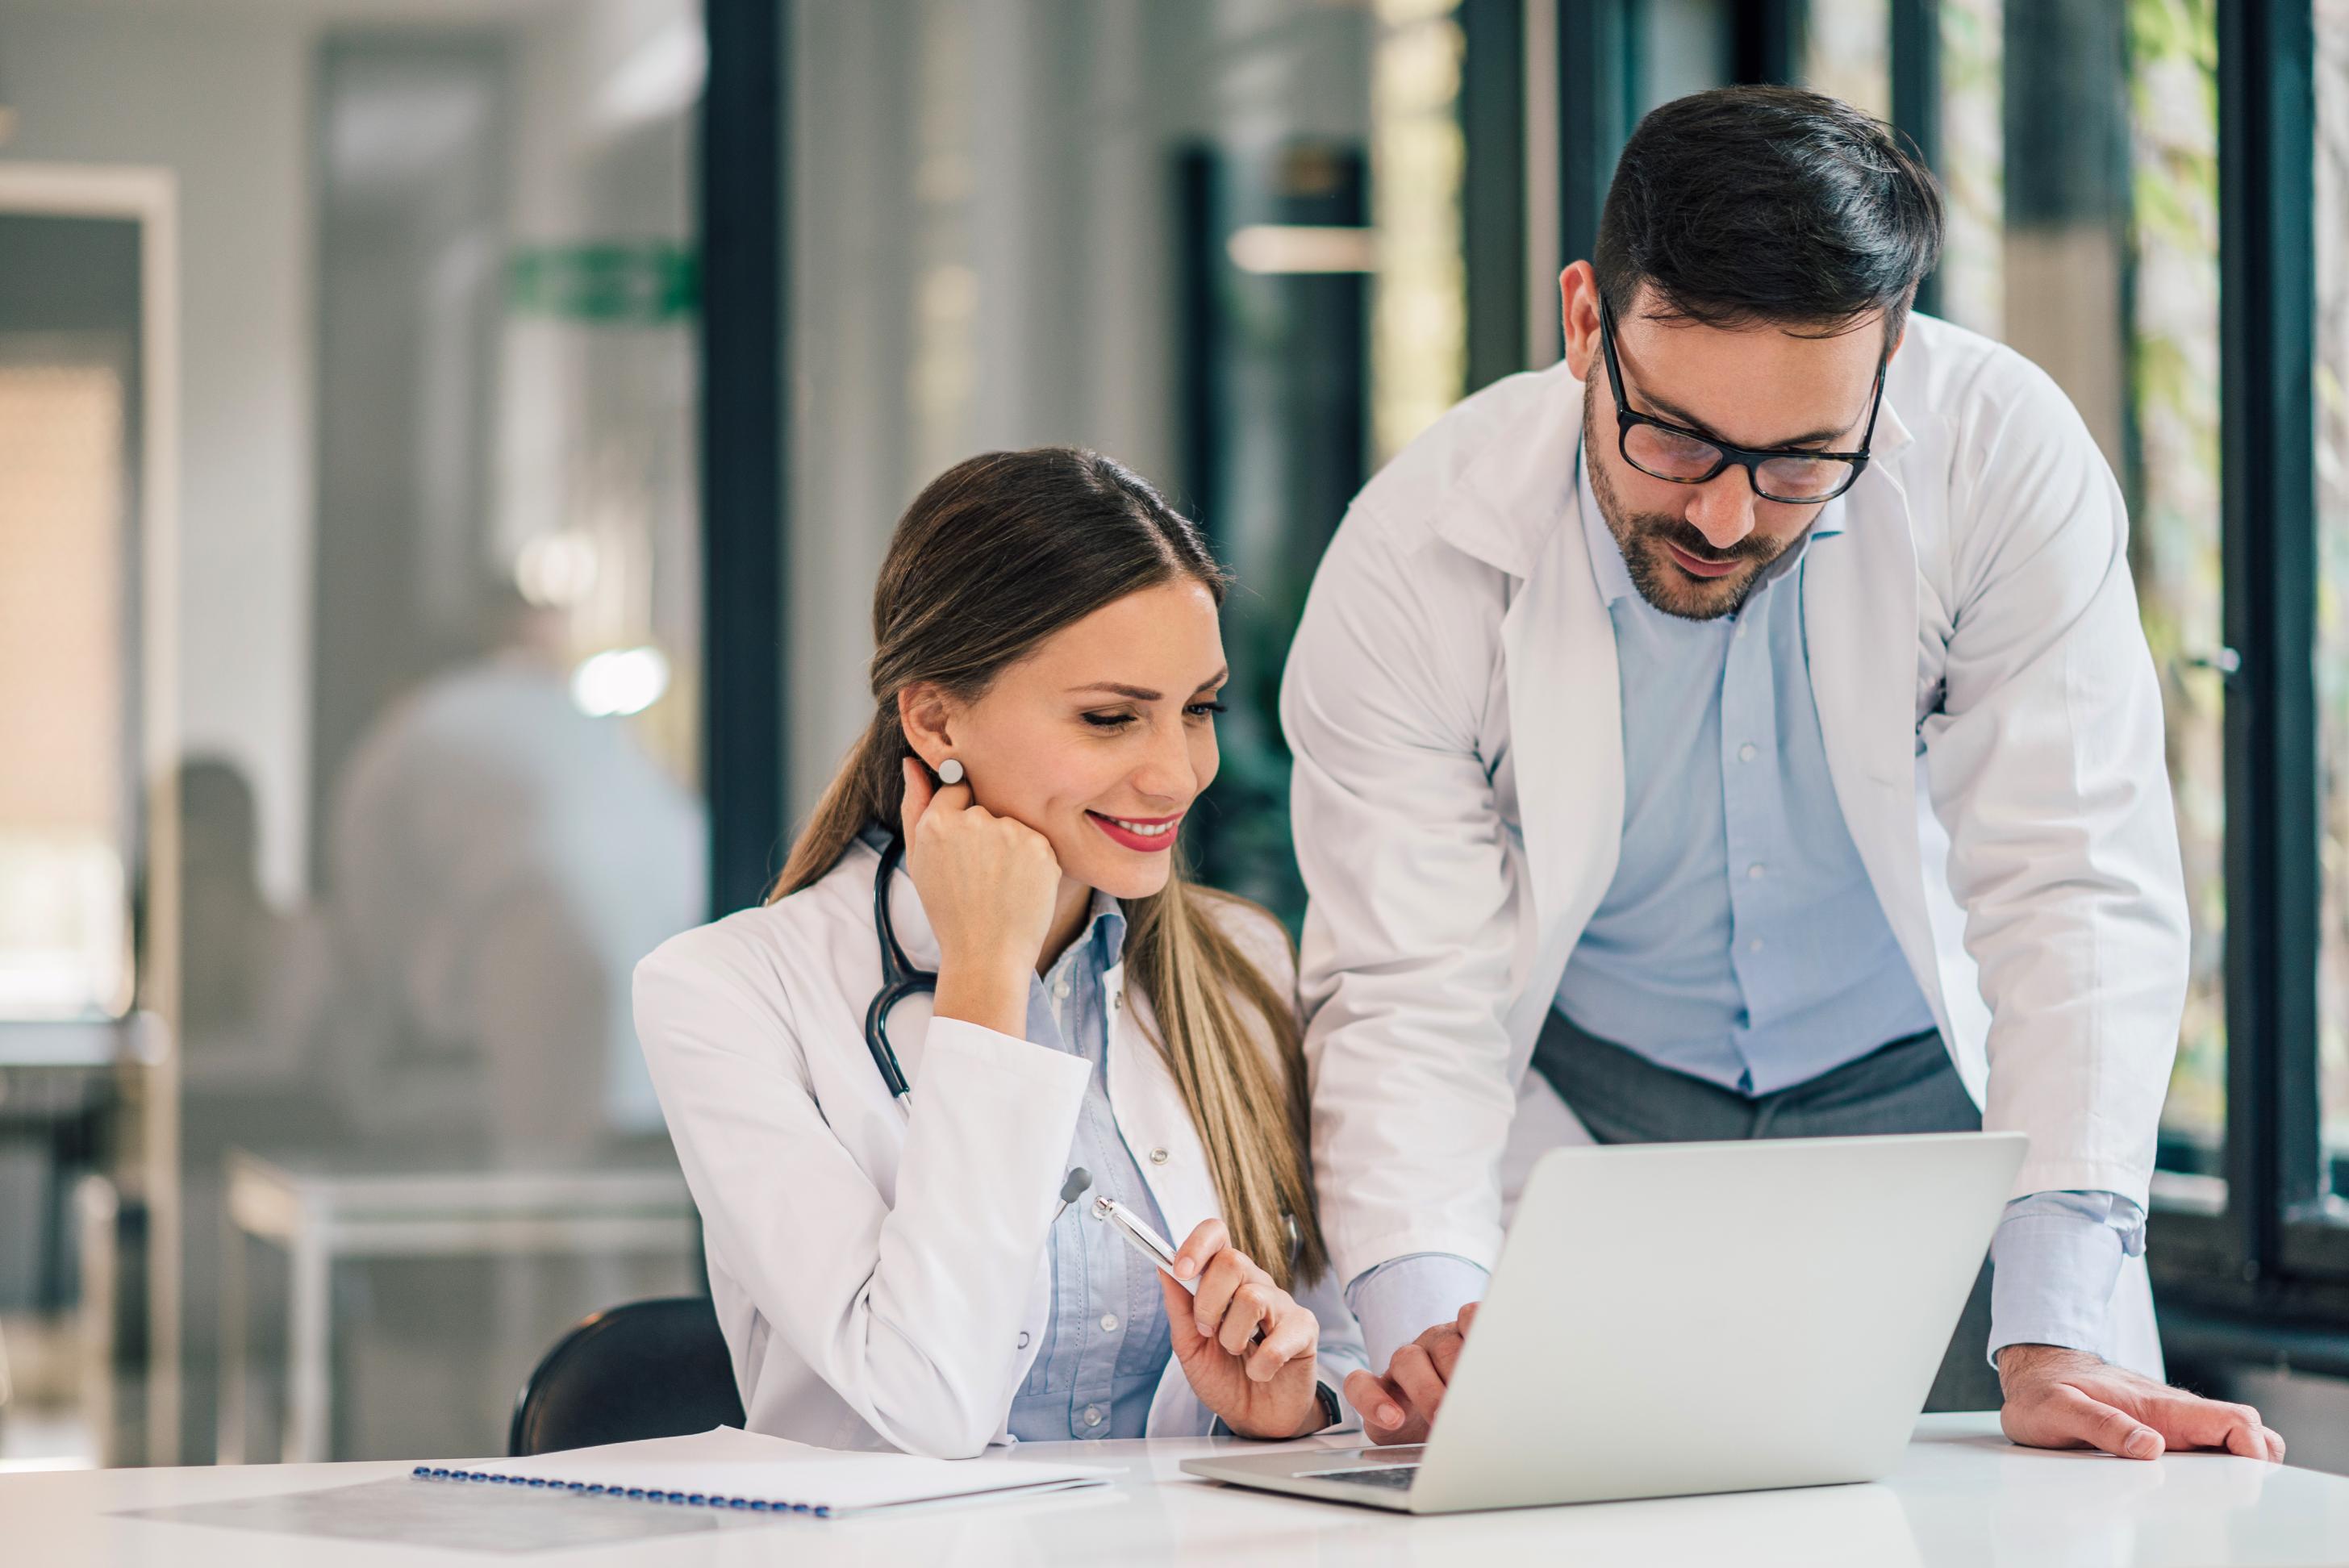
{"points": [[1755, 945], [1109, 1323], [1060, 990], [1092, 1416], [1746, 752], [1158, 1157], [1754, 871]]}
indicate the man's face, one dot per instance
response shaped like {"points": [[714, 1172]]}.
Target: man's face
{"points": [[1698, 550]]}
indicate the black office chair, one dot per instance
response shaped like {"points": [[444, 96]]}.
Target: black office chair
{"points": [[647, 1369]]}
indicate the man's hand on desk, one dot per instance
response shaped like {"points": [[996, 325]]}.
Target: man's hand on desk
{"points": [[1400, 1406], [2059, 1399]]}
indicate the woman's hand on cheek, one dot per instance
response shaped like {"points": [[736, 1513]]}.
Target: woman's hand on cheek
{"points": [[1247, 1348], [988, 884]]}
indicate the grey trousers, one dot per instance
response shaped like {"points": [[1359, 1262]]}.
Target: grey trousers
{"points": [[1908, 1085]]}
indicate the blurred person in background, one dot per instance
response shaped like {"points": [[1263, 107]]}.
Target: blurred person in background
{"points": [[500, 862], [499, 859], [255, 979]]}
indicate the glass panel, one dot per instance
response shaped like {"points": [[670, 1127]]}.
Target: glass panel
{"points": [[2172, 474], [1419, 293], [2333, 543], [1847, 52], [1679, 47], [2099, 260], [423, 738], [1974, 165]]}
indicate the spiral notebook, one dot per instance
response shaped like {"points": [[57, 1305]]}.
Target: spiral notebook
{"points": [[731, 1468]]}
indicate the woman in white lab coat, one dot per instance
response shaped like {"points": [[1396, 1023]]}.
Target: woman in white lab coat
{"points": [[902, 1271]]}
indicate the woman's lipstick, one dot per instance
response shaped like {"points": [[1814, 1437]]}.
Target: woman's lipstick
{"points": [[1149, 835]]}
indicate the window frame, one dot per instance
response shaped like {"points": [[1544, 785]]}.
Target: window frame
{"points": [[2276, 84], [744, 219], [2271, 1252]]}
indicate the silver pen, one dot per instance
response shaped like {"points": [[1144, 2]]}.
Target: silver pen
{"points": [[1141, 1238]]}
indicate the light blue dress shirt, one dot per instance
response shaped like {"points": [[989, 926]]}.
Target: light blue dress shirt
{"points": [[1107, 1343], [1741, 941]]}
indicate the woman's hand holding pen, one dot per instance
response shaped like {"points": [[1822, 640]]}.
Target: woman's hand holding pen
{"points": [[988, 886], [1261, 1387]]}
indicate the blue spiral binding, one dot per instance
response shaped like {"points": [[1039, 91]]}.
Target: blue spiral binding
{"points": [[634, 1493]]}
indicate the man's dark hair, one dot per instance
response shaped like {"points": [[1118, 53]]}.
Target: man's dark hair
{"points": [[1768, 204]]}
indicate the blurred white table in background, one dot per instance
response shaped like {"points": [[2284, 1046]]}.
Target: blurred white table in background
{"points": [[322, 1209], [1963, 1496]]}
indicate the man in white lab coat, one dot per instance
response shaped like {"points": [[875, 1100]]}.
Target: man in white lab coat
{"points": [[1745, 725]]}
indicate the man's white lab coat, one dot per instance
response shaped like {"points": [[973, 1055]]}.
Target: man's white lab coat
{"points": [[1993, 731]]}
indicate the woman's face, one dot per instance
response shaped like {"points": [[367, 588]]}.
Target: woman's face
{"points": [[1103, 738]]}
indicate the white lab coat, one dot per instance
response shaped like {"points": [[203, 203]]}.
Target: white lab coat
{"points": [[1992, 726], [882, 1279]]}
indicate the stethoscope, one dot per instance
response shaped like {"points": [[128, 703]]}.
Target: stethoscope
{"points": [[899, 979]]}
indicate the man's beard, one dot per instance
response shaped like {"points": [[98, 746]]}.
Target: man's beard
{"points": [[1641, 538]]}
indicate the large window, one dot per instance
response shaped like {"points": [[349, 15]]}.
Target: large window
{"points": [[2170, 47], [2097, 255], [2150, 198]]}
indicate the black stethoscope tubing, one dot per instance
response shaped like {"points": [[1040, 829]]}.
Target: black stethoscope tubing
{"points": [[899, 979]]}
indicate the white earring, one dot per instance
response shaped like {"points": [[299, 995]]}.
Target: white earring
{"points": [[950, 771]]}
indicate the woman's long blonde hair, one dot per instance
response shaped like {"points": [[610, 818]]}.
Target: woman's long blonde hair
{"points": [[996, 555]]}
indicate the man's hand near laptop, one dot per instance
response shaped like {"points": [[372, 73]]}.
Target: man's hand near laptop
{"points": [[1400, 1408], [2055, 1398], [2061, 1398]]}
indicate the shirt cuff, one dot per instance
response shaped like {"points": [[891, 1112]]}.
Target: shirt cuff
{"points": [[1402, 1297], [2053, 1262]]}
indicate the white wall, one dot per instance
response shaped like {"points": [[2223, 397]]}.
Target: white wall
{"points": [[222, 101]]}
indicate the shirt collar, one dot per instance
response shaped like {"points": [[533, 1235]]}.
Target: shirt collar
{"points": [[1614, 576], [1105, 923], [1100, 945], [1607, 563]]}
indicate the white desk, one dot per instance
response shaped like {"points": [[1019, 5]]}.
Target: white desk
{"points": [[1963, 1496]]}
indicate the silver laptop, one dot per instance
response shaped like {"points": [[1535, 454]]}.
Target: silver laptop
{"points": [[1689, 1317]]}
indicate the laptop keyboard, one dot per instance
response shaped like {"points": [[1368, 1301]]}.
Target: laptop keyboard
{"points": [[1385, 1478]]}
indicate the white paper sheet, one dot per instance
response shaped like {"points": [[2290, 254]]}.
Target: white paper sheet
{"points": [[727, 1462], [467, 1519]]}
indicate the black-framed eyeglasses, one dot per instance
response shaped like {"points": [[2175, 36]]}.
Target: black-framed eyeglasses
{"points": [[1667, 451]]}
